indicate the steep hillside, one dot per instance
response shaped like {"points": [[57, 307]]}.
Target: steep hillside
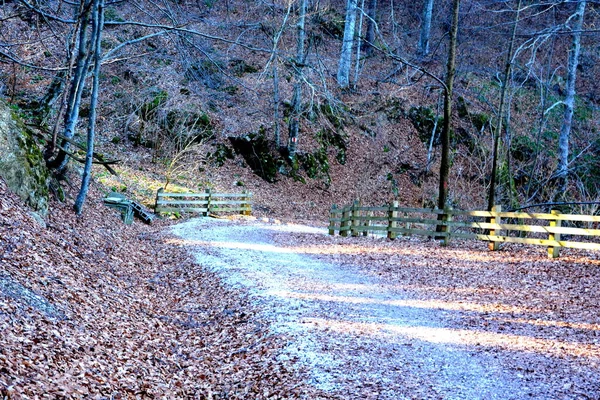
{"points": [[90, 307], [182, 83]]}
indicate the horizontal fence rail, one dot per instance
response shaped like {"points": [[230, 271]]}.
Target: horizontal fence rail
{"points": [[205, 203], [495, 227]]}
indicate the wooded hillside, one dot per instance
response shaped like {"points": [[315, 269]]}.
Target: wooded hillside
{"points": [[464, 104], [322, 93]]}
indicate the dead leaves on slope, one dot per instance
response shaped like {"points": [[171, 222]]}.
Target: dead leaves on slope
{"points": [[133, 317]]}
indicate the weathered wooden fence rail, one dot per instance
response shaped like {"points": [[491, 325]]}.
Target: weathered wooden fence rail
{"points": [[544, 229], [205, 203]]}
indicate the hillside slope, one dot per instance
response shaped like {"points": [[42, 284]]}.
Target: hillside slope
{"points": [[93, 308], [196, 91]]}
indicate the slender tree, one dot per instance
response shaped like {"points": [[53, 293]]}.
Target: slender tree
{"points": [[425, 28], [298, 65], [277, 133], [343, 74], [445, 134], [96, 38], [77, 84], [569, 101], [358, 46], [369, 42], [500, 118]]}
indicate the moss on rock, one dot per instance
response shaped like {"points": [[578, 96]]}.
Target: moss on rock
{"points": [[22, 164]]}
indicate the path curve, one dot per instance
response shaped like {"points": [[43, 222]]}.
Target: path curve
{"points": [[357, 338]]}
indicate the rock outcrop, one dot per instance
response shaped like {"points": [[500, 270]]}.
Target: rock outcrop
{"points": [[22, 165]]}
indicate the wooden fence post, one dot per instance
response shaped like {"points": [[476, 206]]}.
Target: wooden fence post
{"points": [[553, 251], [158, 192], [392, 215], [345, 221], [493, 246], [208, 198], [246, 205], [332, 215], [447, 217], [407, 225], [367, 223], [355, 219]]}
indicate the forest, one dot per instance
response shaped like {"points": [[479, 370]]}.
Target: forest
{"points": [[468, 105], [461, 105]]}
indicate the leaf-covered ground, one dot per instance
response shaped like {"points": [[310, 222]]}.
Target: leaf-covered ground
{"points": [[91, 308], [536, 316], [404, 319]]}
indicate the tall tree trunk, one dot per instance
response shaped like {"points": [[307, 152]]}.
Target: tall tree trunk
{"points": [[76, 88], [277, 133], [500, 119], [97, 27], [358, 45], [294, 124], [343, 74], [368, 43], [565, 130], [445, 134], [425, 28]]}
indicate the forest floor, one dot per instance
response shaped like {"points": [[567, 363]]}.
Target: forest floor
{"points": [[93, 308], [377, 319], [214, 309]]}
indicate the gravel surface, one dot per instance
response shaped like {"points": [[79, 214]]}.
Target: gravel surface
{"points": [[360, 336]]}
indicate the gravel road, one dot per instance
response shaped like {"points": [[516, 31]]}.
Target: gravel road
{"points": [[358, 338]]}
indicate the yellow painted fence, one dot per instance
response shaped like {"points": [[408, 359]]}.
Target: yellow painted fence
{"points": [[544, 229]]}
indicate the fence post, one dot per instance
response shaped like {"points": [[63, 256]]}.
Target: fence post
{"points": [[407, 225], [158, 192], [367, 223], [392, 215], [553, 251], [447, 217], [355, 219], [493, 246], [345, 221], [332, 215], [246, 205], [208, 198]]}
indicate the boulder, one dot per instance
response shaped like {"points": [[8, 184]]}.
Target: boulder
{"points": [[22, 164]]}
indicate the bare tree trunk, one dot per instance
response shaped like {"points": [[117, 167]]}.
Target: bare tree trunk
{"points": [[369, 40], [445, 134], [425, 28], [565, 130], [433, 135], [500, 119], [358, 45], [343, 74], [97, 27], [277, 133], [294, 125], [368, 43], [76, 89]]}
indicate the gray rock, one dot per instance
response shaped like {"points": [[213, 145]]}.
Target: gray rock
{"points": [[13, 289], [22, 165], [38, 218]]}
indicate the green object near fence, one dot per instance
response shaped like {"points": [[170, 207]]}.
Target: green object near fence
{"points": [[204, 203], [121, 203], [128, 208], [488, 226]]}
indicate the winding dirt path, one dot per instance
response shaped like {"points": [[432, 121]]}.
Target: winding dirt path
{"points": [[357, 337]]}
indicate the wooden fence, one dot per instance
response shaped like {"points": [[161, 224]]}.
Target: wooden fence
{"points": [[205, 203], [495, 227]]}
